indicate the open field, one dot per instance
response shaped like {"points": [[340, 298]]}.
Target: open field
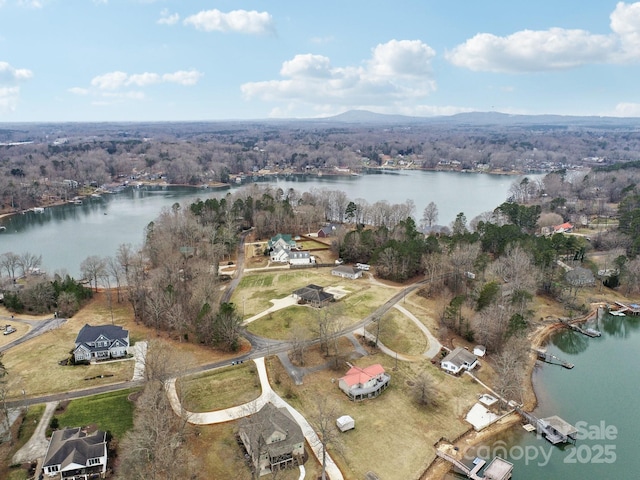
{"points": [[109, 412], [222, 388], [279, 324], [256, 289]]}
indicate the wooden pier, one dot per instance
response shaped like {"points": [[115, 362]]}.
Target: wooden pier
{"points": [[589, 332], [552, 359], [553, 428]]}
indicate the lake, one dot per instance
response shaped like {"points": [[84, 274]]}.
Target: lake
{"points": [[600, 391], [597, 396], [65, 235]]}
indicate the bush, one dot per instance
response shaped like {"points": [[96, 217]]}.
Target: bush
{"points": [[54, 424]]}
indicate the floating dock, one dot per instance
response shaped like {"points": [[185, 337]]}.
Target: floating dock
{"points": [[550, 358], [498, 469], [553, 428], [589, 332]]}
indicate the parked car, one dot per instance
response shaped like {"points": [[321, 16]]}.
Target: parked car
{"points": [[8, 329]]}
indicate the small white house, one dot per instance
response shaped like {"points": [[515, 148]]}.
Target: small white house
{"points": [[459, 359], [345, 423], [301, 257], [345, 271]]}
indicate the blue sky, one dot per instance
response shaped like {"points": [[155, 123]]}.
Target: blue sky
{"points": [[140, 60]]}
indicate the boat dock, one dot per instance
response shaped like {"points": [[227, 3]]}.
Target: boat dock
{"points": [[498, 469], [589, 332], [553, 428], [550, 358], [624, 309]]}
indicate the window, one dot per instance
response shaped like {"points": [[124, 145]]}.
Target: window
{"points": [[94, 461]]}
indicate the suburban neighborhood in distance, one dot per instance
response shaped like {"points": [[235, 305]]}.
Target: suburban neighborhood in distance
{"points": [[281, 333]]}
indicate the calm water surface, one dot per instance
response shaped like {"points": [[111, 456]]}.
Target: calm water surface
{"points": [[68, 234], [599, 394]]}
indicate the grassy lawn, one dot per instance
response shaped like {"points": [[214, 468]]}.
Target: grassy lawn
{"points": [[257, 289], [400, 334], [222, 388], [29, 424], [109, 411], [33, 366], [409, 432], [279, 324], [311, 245], [222, 457]]}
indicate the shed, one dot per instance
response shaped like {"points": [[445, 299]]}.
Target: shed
{"points": [[479, 350], [345, 423]]}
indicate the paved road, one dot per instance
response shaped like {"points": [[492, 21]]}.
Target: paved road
{"points": [[38, 327]]}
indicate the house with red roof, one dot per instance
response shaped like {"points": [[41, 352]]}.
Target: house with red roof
{"points": [[362, 383], [563, 228]]}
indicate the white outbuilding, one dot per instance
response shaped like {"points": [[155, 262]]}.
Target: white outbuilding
{"points": [[345, 423]]}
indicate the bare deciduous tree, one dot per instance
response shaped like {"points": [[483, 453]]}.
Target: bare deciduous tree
{"points": [[423, 391], [429, 215], [156, 446], [93, 268]]}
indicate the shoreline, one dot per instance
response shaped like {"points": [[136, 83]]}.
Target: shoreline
{"points": [[438, 468]]}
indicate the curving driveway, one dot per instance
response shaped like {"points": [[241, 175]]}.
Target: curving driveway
{"points": [[234, 413]]}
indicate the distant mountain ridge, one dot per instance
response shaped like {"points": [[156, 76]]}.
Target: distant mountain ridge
{"points": [[480, 118]]}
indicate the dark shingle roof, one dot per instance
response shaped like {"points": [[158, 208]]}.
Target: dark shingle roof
{"points": [[268, 420], [72, 445], [313, 293], [90, 333]]}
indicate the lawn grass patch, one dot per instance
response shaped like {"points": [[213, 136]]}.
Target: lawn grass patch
{"points": [[29, 424], [111, 411], [399, 333], [279, 324], [221, 388]]}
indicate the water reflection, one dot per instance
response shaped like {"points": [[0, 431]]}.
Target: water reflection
{"points": [[620, 327], [570, 342]]}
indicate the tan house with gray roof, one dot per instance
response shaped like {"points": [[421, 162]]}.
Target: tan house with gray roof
{"points": [[273, 439]]}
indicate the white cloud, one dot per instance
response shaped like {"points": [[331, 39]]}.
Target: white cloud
{"points": [[9, 97], [397, 75], [307, 65], [183, 77], [530, 51], [110, 81], [10, 77], [143, 79], [31, 3], [117, 80], [79, 91], [402, 57], [167, 18], [9, 74], [555, 48], [322, 40], [240, 21], [626, 109]]}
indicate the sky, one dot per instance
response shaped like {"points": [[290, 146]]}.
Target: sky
{"points": [[192, 60]]}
